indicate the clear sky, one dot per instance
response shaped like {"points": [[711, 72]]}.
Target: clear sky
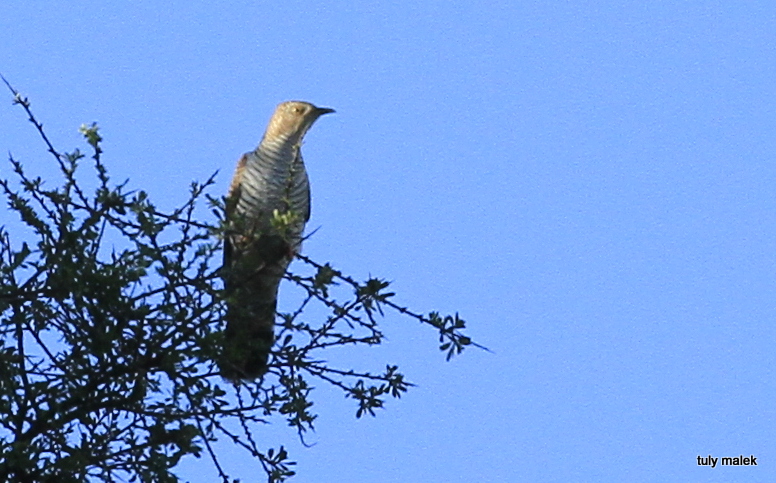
{"points": [[591, 185]]}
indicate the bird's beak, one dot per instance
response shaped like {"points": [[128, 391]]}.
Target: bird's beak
{"points": [[320, 111]]}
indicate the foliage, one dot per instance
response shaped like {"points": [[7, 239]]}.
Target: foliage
{"points": [[110, 320]]}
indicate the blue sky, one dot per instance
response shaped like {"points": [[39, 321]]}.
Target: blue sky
{"points": [[589, 184]]}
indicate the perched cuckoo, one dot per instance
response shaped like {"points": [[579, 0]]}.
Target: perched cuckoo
{"points": [[267, 207]]}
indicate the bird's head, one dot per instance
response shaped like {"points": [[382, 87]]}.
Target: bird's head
{"points": [[292, 119]]}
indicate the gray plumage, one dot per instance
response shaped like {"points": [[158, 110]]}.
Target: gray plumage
{"points": [[268, 205]]}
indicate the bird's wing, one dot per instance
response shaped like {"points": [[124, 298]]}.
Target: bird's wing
{"points": [[235, 187], [232, 198], [307, 185]]}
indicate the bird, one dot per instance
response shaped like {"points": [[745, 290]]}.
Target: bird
{"points": [[267, 207]]}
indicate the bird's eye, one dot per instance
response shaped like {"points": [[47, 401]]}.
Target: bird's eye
{"points": [[297, 109]]}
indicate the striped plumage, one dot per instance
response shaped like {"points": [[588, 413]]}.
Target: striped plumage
{"points": [[268, 205]]}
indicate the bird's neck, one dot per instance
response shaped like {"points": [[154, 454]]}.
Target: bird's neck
{"points": [[279, 143]]}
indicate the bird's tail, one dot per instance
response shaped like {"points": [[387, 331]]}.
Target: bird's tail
{"points": [[250, 320]]}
